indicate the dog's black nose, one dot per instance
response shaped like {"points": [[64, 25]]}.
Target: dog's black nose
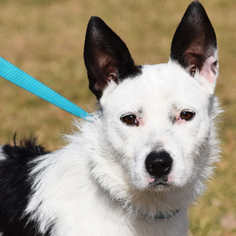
{"points": [[158, 164]]}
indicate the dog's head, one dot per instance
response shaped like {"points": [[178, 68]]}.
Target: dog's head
{"points": [[157, 119]]}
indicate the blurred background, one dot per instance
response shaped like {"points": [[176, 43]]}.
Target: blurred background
{"points": [[45, 38]]}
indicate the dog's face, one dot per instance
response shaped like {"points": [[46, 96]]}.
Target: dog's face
{"points": [[162, 114], [156, 118]]}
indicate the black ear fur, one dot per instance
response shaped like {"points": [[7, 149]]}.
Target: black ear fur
{"points": [[194, 40], [106, 57]]}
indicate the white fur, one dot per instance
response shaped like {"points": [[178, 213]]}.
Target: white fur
{"points": [[2, 157], [98, 185]]}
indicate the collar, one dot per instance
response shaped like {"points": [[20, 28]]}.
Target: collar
{"points": [[139, 214], [166, 215], [161, 215]]}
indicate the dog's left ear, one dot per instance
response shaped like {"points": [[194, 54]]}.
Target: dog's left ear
{"points": [[194, 45], [106, 57]]}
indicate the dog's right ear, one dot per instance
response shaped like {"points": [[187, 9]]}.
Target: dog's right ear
{"points": [[106, 57]]}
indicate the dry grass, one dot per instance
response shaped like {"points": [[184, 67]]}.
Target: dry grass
{"points": [[45, 38]]}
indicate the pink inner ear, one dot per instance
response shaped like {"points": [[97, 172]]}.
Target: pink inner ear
{"points": [[209, 69]]}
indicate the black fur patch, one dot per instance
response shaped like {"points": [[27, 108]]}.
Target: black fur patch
{"points": [[15, 187]]}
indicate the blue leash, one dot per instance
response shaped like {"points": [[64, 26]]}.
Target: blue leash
{"points": [[15, 75]]}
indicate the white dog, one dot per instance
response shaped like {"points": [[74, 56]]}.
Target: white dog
{"points": [[144, 157]]}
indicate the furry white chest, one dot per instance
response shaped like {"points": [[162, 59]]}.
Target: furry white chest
{"points": [[76, 205]]}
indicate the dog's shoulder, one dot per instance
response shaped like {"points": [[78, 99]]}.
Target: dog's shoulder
{"points": [[15, 166]]}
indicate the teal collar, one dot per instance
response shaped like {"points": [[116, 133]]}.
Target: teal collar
{"points": [[161, 215], [167, 215], [140, 214]]}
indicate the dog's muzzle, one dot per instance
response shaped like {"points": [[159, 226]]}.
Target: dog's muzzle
{"points": [[158, 165]]}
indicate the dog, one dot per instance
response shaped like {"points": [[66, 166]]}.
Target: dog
{"points": [[143, 157]]}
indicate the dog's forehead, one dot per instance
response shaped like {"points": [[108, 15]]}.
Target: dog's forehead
{"points": [[160, 83]]}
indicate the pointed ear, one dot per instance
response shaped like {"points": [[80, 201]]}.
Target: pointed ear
{"points": [[194, 44], [106, 57]]}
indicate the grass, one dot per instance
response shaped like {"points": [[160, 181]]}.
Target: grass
{"points": [[45, 38]]}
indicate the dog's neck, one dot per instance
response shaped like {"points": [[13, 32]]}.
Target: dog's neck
{"points": [[158, 215]]}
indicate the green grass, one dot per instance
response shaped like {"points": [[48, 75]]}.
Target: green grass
{"points": [[45, 38]]}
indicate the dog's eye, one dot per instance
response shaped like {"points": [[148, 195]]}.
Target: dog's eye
{"points": [[187, 115], [129, 120]]}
